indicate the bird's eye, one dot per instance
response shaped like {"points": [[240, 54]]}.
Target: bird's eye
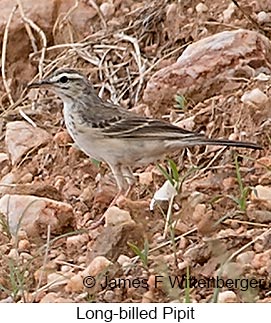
{"points": [[63, 79]]}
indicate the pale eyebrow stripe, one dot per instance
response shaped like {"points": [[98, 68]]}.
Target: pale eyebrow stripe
{"points": [[68, 75]]}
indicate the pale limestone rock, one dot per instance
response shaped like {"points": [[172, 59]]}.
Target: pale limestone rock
{"points": [[201, 8], [21, 137], [255, 96], [206, 67], [261, 193], [33, 214], [97, 266], [227, 297], [115, 216]]}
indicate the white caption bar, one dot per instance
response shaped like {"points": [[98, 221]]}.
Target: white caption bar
{"points": [[100, 312]]}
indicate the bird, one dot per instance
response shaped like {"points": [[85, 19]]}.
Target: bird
{"points": [[112, 134]]}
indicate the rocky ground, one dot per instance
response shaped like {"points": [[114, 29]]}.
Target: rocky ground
{"points": [[205, 66]]}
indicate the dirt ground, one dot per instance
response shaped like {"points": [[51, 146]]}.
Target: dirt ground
{"points": [[218, 228]]}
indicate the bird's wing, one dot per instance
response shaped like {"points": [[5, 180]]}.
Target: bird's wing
{"points": [[132, 126]]}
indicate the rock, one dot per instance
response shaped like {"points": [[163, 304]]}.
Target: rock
{"points": [[123, 259], [62, 138], [148, 297], [54, 298], [187, 123], [260, 216], [261, 193], [75, 243], [112, 241], [34, 214], [228, 13], [6, 182], [27, 178], [255, 96], [262, 260], [109, 296], [4, 160], [21, 137], [199, 212], [246, 257], [107, 9], [145, 178], [263, 17], [23, 245], [227, 296], [180, 227], [56, 280], [201, 8], [75, 284], [98, 265], [115, 216], [205, 66]]}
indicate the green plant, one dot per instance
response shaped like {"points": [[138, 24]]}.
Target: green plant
{"points": [[142, 254], [181, 102], [241, 201]]}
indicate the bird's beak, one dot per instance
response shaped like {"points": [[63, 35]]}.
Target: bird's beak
{"points": [[42, 83]]}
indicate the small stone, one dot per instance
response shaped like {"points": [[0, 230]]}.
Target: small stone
{"points": [[75, 284], [147, 297], [23, 245], [37, 213], [255, 96], [4, 160], [201, 8], [115, 216], [62, 138], [228, 13], [262, 77], [21, 137], [180, 227], [109, 296], [53, 297], [27, 178], [262, 260], [98, 265], [263, 17], [227, 297], [107, 9], [261, 193], [54, 280], [145, 178], [123, 260], [183, 265], [199, 212], [196, 198], [245, 258], [187, 123], [13, 254]]}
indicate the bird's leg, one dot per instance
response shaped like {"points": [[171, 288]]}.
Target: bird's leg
{"points": [[124, 179]]}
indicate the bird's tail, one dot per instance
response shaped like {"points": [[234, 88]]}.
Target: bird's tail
{"points": [[224, 142]]}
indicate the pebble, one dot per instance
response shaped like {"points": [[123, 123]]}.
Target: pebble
{"points": [[147, 297], [23, 245], [245, 257], [75, 284], [109, 296], [115, 216], [263, 17], [107, 9], [97, 266], [227, 297], [255, 96], [201, 8]]}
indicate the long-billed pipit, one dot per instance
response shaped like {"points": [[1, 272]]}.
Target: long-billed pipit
{"points": [[112, 134]]}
